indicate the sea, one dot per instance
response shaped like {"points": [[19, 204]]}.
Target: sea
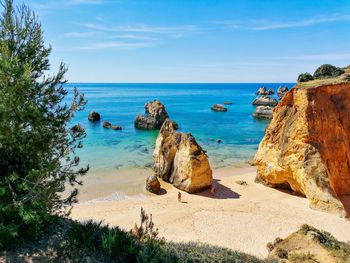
{"points": [[107, 150]]}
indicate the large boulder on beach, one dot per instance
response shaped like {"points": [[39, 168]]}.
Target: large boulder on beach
{"points": [[155, 115], [180, 160], [153, 184], [218, 107], [94, 116], [265, 101], [306, 147], [263, 112]]}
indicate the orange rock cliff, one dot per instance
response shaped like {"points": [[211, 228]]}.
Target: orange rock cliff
{"points": [[306, 147]]}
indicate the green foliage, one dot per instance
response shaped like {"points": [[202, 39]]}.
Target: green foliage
{"points": [[327, 71], [36, 144], [304, 77], [89, 241]]}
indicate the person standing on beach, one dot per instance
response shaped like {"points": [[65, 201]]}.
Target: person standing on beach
{"points": [[179, 197]]}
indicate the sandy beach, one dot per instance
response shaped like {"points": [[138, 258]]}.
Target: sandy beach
{"points": [[240, 217]]}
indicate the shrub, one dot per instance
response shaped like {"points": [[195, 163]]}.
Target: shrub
{"points": [[301, 257], [327, 71], [34, 130], [304, 77]]}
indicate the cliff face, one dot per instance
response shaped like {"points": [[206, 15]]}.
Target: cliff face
{"points": [[179, 160], [307, 145]]}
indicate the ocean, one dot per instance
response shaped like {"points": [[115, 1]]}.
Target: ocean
{"points": [[189, 105]]}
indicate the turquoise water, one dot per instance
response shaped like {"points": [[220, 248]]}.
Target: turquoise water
{"points": [[187, 104]]}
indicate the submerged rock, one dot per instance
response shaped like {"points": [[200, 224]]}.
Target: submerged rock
{"points": [[218, 107], [265, 101], [306, 147], [94, 116], [227, 103], [154, 117], [263, 112], [179, 160], [153, 184]]}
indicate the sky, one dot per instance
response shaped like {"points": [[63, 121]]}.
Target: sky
{"points": [[204, 41]]}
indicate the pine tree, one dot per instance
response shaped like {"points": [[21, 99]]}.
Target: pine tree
{"points": [[37, 140]]}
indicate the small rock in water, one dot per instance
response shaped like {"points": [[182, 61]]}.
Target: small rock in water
{"points": [[228, 103], [219, 141], [94, 116], [117, 128], [218, 107], [144, 150], [106, 125]]}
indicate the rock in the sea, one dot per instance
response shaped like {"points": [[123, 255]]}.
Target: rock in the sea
{"points": [[270, 92], [263, 112], [94, 116], [227, 103], [153, 184], [282, 91], [306, 147], [261, 91], [179, 160], [154, 117], [107, 125], [116, 127], [265, 101], [218, 107]]}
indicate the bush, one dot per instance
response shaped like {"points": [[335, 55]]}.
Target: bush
{"points": [[304, 77], [327, 71], [36, 144]]}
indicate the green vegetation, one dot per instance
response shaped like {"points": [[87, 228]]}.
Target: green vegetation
{"points": [[324, 71], [36, 144], [304, 77], [328, 71], [71, 241]]}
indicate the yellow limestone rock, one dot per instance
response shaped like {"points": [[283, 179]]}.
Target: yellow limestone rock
{"points": [[179, 160], [306, 147]]}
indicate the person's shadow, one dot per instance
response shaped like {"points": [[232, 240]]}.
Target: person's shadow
{"points": [[221, 192]]}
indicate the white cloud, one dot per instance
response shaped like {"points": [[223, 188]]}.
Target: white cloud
{"points": [[117, 44], [261, 25]]}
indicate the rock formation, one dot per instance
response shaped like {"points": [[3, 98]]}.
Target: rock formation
{"points": [[108, 125], [308, 244], [263, 112], [94, 116], [218, 107], [306, 147], [154, 117], [153, 184], [282, 91], [264, 91], [179, 159], [265, 101]]}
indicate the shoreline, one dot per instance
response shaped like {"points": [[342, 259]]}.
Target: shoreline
{"points": [[239, 217], [126, 183]]}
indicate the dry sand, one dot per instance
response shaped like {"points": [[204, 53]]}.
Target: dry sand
{"points": [[240, 217]]}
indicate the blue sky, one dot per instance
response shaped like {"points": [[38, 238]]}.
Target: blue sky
{"points": [[194, 40]]}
